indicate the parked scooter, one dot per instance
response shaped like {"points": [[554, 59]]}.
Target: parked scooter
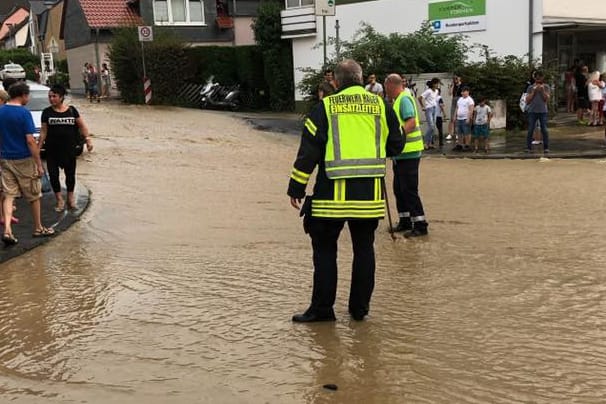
{"points": [[214, 95]]}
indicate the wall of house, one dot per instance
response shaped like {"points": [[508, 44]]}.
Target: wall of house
{"points": [[243, 33], [76, 31], [579, 10], [21, 36], [76, 57], [506, 28], [53, 31], [206, 33]]}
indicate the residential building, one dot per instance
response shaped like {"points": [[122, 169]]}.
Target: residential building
{"points": [[50, 32], [552, 30], [38, 15], [87, 24], [14, 31]]}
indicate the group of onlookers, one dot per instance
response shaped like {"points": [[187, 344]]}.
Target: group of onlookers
{"points": [[92, 79], [468, 121], [20, 158], [585, 93]]}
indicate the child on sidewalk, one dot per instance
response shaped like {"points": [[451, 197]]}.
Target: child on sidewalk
{"points": [[464, 117], [482, 116], [440, 118]]}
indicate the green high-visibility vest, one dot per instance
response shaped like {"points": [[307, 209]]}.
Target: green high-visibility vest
{"points": [[414, 139], [357, 134]]}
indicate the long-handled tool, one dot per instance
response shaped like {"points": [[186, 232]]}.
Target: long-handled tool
{"points": [[391, 229]]}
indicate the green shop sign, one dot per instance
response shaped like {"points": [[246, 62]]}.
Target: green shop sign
{"points": [[456, 9]]}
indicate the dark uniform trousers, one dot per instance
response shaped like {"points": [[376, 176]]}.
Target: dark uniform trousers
{"points": [[324, 235], [406, 188]]}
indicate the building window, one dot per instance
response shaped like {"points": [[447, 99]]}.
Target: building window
{"points": [[179, 12], [298, 3]]}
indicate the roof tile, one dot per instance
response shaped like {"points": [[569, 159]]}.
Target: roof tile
{"points": [[109, 13]]}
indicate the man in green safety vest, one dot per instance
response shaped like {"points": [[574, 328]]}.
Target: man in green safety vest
{"points": [[347, 135], [406, 165]]}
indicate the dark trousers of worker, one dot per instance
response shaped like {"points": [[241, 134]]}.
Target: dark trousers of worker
{"points": [[406, 190], [324, 236]]}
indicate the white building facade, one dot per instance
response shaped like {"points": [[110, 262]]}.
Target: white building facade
{"points": [[540, 28]]}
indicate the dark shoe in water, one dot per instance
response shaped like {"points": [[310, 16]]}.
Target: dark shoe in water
{"points": [[358, 315], [417, 232], [9, 239], [311, 316], [403, 225]]}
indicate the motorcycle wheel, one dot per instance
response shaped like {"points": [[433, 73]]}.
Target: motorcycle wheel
{"points": [[235, 106]]}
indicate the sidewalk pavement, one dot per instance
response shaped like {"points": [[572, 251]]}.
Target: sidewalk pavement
{"points": [[567, 140], [58, 221]]}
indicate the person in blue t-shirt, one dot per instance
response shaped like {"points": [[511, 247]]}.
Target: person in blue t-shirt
{"points": [[20, 161]]}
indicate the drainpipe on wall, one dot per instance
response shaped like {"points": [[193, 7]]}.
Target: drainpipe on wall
{"points": [[97, 53], [530, 30]]}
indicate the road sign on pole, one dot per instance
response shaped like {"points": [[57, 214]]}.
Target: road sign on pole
{"points": [[146, 34], [326, 7]]}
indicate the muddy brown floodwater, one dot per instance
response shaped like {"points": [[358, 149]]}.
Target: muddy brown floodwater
{"points": [[178, 284]]}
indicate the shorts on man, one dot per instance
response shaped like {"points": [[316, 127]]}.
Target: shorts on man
{"points": [[480, 131], [20, 178], [463, 127]]}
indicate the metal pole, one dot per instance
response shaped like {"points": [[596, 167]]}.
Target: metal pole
{"points": [[324, 40], [530, 31], [143, 60], [337, 40], [97, 54], [391, 229]]}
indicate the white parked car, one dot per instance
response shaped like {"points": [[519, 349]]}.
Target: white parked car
{"points": [[38, 100], [12, 70]]}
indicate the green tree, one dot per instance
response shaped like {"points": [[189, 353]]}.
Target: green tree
{"points": [[166, 65], [277, 56], [503, 78]]}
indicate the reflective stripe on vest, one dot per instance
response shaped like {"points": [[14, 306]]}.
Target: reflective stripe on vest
{"points": [[346, 209], [354, 115], [414, 139]]}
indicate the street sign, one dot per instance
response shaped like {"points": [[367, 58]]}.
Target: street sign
{"points": [[326, 7], [146, 34]]}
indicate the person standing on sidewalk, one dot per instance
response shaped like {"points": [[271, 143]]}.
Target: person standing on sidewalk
{"points": [[348, 136], [429, 104], [464, 114], [20, 161], [61, 128], [440, 118], [537, 99], [406, 165], [373, 86], [327, 87], [455, 92]]}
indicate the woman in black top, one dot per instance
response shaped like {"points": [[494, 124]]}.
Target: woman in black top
{"points": [[60, 131]]}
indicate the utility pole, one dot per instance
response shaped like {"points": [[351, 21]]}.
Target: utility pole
{"points": [[337, 40], [324, 39]]}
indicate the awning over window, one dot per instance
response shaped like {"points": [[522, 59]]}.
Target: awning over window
{"points": [[564, 23]]}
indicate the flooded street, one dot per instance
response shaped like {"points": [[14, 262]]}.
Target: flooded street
{"points": [[179, 282]]}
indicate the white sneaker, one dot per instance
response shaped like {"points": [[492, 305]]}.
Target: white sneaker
{"points": [[449, 137]]}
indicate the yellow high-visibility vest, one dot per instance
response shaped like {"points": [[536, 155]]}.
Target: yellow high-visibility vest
{"points": [[357, 134], [414, 139]]}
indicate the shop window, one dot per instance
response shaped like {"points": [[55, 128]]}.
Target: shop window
{"points": [[179, 12], [298, 3]]}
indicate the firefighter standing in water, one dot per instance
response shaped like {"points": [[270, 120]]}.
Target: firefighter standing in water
{"points": [[348, 136], [406, 165]]}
